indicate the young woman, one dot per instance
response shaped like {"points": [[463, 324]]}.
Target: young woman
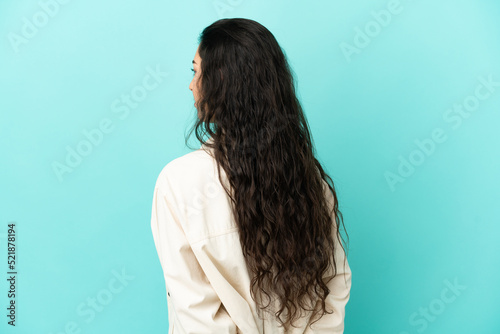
{"points": [[247, 227]]}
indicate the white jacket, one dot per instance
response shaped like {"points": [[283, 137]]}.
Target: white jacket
{"points": [[207, 282]]}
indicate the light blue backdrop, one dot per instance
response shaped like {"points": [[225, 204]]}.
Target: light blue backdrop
{"points": [[403, 99]]}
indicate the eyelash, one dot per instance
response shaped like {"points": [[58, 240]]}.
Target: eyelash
{"points": [[194, 72]]}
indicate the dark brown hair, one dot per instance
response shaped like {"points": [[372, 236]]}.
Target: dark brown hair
{"points": [[262, 141]]}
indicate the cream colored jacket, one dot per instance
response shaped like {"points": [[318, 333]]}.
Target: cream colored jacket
{"points": [[207, 282]]}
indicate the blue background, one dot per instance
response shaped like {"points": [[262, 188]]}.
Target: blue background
{"points": [[370, 90]]}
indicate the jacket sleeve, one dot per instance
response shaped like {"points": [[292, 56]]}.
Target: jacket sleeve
{"points": [[340, 288], [195, 305]]}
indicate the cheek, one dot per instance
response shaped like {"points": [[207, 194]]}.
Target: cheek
{"points": [[196, 83]]}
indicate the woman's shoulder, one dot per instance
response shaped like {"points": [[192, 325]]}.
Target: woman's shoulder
{"points": [[192, 169]]}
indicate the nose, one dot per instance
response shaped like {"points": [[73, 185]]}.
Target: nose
{"points": [[191, 85]]}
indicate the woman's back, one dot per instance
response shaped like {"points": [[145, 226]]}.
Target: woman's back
{"points": [[269, 232], [206, 277]]}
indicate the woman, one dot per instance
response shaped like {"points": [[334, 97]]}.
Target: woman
{"points": [[246, 226]]}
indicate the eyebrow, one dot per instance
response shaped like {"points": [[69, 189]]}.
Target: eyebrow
{"points": [[194, 62]]}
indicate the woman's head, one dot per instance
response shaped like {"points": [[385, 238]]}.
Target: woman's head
{"points": [[245, 95], [238, 63], [194, 85]]}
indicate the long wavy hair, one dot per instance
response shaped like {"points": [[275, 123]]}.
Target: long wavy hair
{"points": [[261, 139]]}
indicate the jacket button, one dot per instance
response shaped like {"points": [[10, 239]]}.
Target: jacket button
{"points": [[168, 293]]}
